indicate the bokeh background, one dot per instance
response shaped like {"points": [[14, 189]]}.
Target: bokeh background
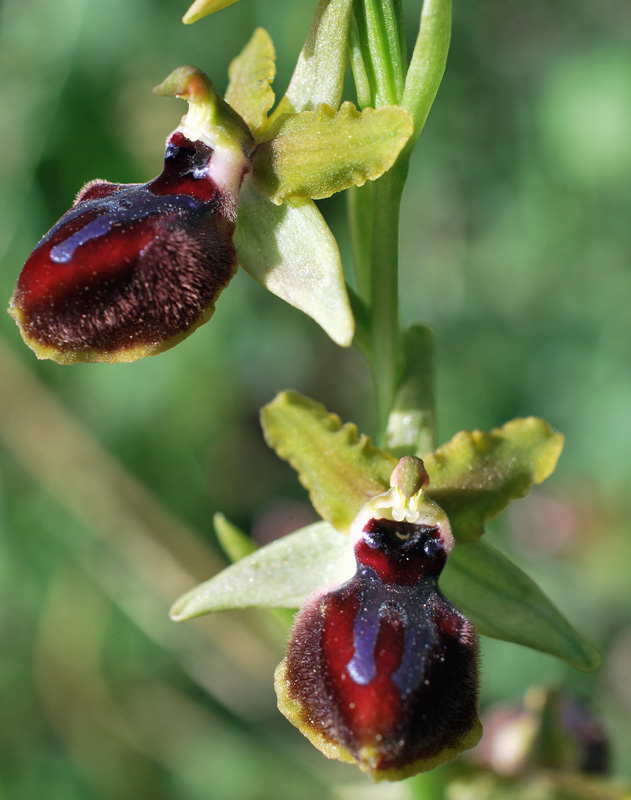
{"points": [[515, 247]]}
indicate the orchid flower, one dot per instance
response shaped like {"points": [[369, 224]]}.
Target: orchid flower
{"points": [[131, 270]]}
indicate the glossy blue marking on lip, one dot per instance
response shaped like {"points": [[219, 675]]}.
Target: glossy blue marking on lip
{"points": [[362, 667], [63, 252], [128, 205], [410, 604]]}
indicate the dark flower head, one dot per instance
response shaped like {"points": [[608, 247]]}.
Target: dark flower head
{"points": [[132, 269], [382, 670]]}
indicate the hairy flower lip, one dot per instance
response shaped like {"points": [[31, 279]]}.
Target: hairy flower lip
{"points": [[131, 270], [382, 670]]}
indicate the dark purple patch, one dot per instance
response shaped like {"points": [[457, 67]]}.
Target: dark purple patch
{"points": [[387, 663], [134, 264], [401, 552]]}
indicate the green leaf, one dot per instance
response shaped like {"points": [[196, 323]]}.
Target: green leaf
{"points": [[504, 603], [319, 73], [251, 74], [233, 541], [475, 475], [341, 469], [202, 8], [280, 575], [317, 153], [292, 252]]}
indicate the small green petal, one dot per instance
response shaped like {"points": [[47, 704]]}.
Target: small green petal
{"points": [[341, 469], [504, 603], [214, 122], [317, 153], [279, 575], [251, 74], [291, 251], [475, 475], [202, 8]]}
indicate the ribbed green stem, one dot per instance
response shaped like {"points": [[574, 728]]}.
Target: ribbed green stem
{"points": [[384, 302], [379, 65]]}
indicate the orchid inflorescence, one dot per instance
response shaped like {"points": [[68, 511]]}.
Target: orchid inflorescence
{"points": [[381, 668]]}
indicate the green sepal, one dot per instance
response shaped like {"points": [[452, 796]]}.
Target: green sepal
{"points": [[202, 8], [280, 575], [504, 603], [341, 469], [475, 475], [428, 61], [291, 251], [251, 74], [233, 541], [319, 73], [317, 153]]}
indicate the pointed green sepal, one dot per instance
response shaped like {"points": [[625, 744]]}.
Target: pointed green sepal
{"points": [[202, 8], [475, 475], [317, 153], [251, 74], [233, 541], [341, 469], [291, 251], [319, 73], [279, 575], [504, 603], [428, 61]]}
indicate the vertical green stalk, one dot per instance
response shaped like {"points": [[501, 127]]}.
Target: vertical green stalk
{"points": [[384, 293], [378, 60]]}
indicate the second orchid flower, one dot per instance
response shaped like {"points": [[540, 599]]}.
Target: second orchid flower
{"points": [[132, 270]]}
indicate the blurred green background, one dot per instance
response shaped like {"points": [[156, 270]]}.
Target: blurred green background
{"points": [[515, 247]]}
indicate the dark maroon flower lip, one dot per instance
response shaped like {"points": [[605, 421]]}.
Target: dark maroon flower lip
{"points": [[132, 269], [382, 670]]}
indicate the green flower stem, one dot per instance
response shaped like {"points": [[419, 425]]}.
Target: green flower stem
{"points": [[378, 58], [360, 220], [384, 293]]}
